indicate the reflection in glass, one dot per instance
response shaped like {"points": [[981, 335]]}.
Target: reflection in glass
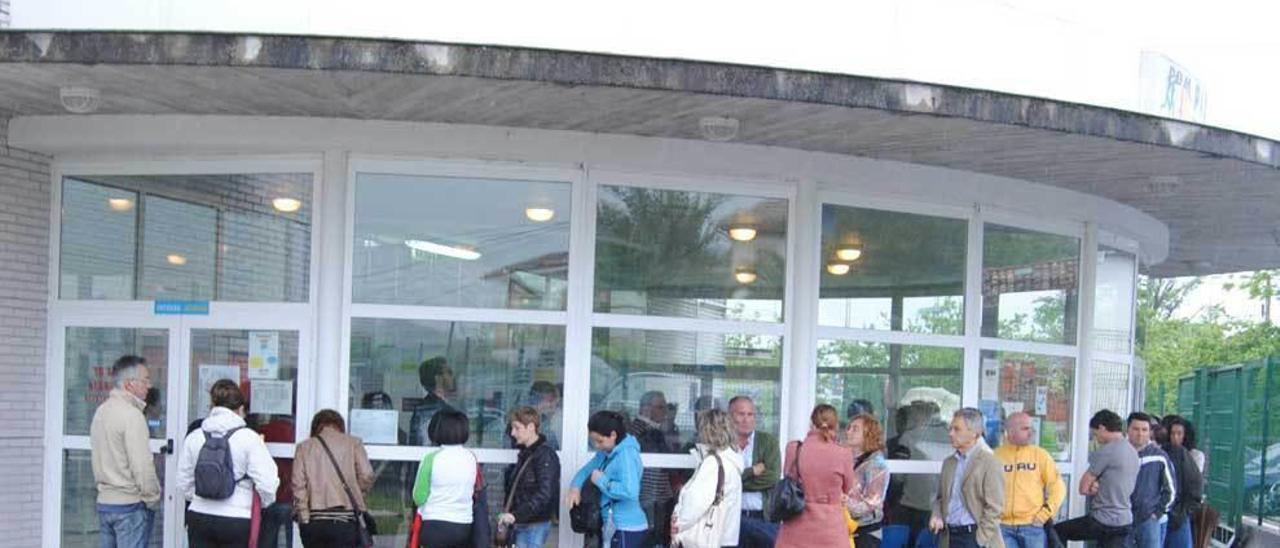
{"points": [[415, 368], [662, 378], [90, 353], [445, 241], [241, 237], [391, 499], [888, 378], [80, 527], [1042, 386], [1110, 387], [1030, 284], [263, 363], [1113, 308], [892, 271], [99, 235], [690, 254]]}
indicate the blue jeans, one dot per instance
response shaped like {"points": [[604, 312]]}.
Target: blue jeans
{"points": [[1022, 536], [125, 525], [1180, 537], [628, 539], [1146, 534], [532, 535], [756, 533]]}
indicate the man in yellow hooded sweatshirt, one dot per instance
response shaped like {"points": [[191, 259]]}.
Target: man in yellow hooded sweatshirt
{"points": [[1033, 489]]}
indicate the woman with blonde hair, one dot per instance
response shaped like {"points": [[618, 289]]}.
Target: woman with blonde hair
{"points": [[825, 470], [865, 498], [712, 498]]}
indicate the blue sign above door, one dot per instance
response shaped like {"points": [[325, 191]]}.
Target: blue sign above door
{"points": [[182, 308]]}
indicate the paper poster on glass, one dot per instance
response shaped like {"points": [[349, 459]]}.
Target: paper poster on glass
{"points": [[376, 426], [271, 397], [207, 375], [264, 355]]}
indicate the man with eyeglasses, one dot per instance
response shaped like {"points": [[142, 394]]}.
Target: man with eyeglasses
{"points": [[123, 468]]}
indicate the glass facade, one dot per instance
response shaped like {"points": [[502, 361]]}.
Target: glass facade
{"points": [[488, 292]]}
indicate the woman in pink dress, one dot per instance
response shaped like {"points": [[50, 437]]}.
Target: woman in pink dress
{"points": [[825, 469]]}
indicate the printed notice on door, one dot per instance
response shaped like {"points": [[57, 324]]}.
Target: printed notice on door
{"points": [[264, 355], [209, 374], [272, 397]]}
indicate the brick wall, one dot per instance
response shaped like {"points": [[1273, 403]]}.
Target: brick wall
{"points": [[24, 237]]}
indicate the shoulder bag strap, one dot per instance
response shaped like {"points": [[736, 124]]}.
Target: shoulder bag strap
{"points": [[796, 463], [719, 479], [355, 508], [515, 484]]}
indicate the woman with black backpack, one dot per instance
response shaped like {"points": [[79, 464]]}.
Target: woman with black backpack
{"points": [[221, 466], [331, 474]]}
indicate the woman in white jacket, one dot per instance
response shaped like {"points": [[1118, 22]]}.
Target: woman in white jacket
{"points": [[225, 522], [715, 438]]}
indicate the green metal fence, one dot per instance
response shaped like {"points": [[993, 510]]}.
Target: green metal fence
{"points": [[1237, 411]]}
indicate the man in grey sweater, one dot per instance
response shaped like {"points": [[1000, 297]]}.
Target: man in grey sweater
{"points": [[128, 488]]}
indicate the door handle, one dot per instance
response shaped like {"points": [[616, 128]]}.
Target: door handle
{"points": [[168, 447]]}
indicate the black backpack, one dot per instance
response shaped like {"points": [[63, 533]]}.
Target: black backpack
{"points": [[585, 517], [215, 476]]}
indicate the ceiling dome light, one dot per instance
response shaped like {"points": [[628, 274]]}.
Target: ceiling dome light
{"points": [[848, 253], [120, 204], [719, 128], [539, 214], [286, 205], [838, 269], [79, 100], [176, 259], [742, 233], [744, 276]]}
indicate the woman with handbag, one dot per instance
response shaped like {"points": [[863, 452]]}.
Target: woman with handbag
{"points": [[615, 471], [709, 509], [331, 474], [824, 469], [533, 485], [865, 499]]}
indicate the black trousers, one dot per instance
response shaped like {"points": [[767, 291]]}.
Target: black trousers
{"points": [[444, 534], [208, 531], [1087, 528], [323, 532]]}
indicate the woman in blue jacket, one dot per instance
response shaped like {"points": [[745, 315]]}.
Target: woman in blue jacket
{"points": [[615, 470]]}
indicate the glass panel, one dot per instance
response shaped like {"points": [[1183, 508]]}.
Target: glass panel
{"points": [[1042, 386], [1110, 387], [90, 353], [263, 363], [415, 368], [391, 502], [910, 388], [660, 379], [690, 254], [1113, 309], [446, 241], [909, 502], [1029, 285], [243, 237], [99, 238], [80, 526], [892, 271], [277, 518], [178, 250]]}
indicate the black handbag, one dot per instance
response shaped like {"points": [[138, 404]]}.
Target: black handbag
{"points": [[502, 532], [365, 524], [585, 517], [786, 501]]}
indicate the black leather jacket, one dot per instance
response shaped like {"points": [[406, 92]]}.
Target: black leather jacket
{"points": [[537, 498]]}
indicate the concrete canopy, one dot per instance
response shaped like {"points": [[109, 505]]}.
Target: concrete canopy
{"points": [[1217, 190]]}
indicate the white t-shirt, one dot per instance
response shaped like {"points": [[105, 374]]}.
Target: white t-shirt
{"points": [[453, 481]]}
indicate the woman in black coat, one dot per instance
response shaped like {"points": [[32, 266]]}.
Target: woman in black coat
{"points": [[533, 483]]}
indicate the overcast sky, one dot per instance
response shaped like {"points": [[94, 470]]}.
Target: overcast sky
{"points": [[1079, 50]]}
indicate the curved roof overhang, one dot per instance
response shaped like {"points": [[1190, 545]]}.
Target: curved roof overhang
{"points": [[1216, 190]]}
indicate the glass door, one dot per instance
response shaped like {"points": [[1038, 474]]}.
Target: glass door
{"points": [[88, 352]]}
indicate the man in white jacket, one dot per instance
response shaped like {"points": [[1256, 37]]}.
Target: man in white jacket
{"points": [[226, 521], [716, 436]]}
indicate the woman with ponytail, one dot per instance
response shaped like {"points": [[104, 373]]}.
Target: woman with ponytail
{"points": [[824, 468]]}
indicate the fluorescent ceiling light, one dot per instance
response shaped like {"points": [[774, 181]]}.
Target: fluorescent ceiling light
{"points": [[441, 249], [120, 204]]}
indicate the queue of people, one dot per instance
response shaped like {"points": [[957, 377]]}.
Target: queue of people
{"points": [[1144, 481]]}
